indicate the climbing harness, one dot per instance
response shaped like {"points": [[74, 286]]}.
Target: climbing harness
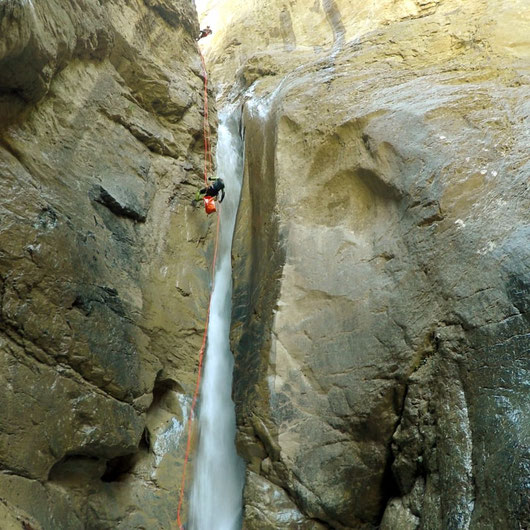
{"points": [[209, 205]]}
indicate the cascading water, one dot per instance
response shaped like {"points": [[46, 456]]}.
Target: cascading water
{"points": [[216, 497]]}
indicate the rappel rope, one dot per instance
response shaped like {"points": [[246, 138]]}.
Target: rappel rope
{"points": [[206, 125], [208, 166]]}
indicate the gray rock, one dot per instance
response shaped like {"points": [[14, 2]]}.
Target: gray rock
{"points": [[380, 326], [100, 105]]}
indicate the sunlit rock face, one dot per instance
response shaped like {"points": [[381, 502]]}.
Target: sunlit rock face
{"points": [[103, 262], [381, 264]]}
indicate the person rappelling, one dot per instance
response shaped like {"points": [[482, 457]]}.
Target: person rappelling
{"points": [[213, 192], [204, 33]]}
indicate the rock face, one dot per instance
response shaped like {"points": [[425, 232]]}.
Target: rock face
{"points": [[382, 279], [103, 262]]}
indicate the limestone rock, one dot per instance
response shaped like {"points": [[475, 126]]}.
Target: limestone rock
{"points": [[269, 507], [103, 261], [15, 519], [381, 262]]}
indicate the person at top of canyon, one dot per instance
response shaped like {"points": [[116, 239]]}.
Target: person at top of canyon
{"points": [[204, 33], [213, 190]]}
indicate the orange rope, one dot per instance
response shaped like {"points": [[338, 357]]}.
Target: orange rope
{"points": [[197, 385], [207, 165]]}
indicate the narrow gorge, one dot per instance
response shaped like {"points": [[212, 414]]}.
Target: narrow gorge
{"points": [[377, 328], [216, 500]]}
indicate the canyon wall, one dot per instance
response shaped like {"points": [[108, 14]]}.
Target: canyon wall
{"points": [[103, 261], [382, 275]]}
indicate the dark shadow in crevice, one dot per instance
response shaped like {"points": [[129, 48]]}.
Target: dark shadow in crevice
{"points": [[389, 486], [76, 468], [145, 441], [378, 185], [119, 468], [162, 387]]}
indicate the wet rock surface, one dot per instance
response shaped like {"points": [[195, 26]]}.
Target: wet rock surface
{"points": [[103, 262], [381, 327], [260, 492]]}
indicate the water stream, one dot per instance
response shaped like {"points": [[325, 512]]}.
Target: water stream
{"points": [[216, 497]]}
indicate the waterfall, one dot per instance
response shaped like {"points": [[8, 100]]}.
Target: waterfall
{"points": [[216, 497]]}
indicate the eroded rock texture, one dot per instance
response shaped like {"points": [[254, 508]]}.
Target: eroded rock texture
{"points": [[382, 267], [103, 263]]}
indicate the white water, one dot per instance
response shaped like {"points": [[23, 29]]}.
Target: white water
{"points": [[216, 497]]}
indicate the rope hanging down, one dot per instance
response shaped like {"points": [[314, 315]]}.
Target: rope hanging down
{"points": [[208, 167]]}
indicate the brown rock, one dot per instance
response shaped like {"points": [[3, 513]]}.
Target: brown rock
{"points": [[269, 507], [380, 321], [14, 519], [103, 261]]}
